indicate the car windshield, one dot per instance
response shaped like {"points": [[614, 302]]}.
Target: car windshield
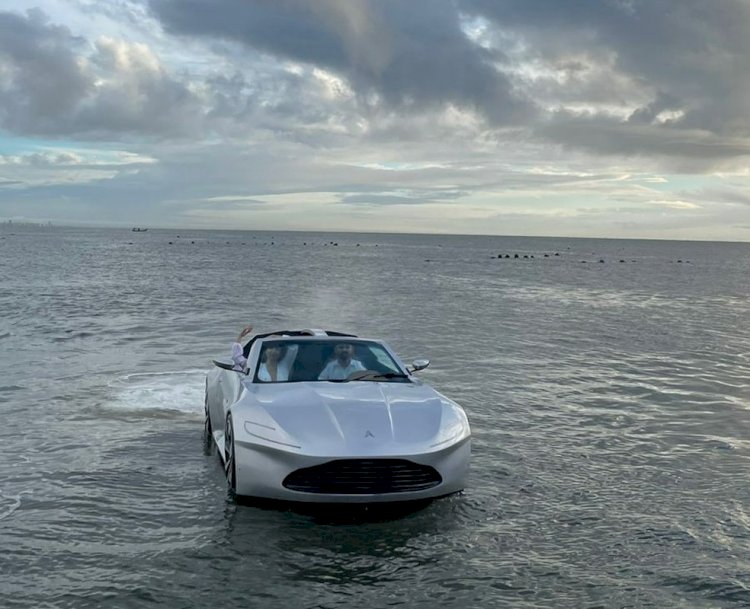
{"points": [[338, 361]]}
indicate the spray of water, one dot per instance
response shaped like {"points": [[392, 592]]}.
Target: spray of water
{"points": [[181, 391]]}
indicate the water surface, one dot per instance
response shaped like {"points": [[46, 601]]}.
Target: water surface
{"points": [[609, 401]]}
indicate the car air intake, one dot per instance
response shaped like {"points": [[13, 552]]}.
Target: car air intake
{"points": [[363, 477]]}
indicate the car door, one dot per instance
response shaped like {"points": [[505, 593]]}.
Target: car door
{"points": [[223, 390]]}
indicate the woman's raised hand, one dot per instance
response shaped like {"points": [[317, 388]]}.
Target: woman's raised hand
{"points": [[245, 331]]}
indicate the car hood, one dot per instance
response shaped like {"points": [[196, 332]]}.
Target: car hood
{"points": [[355, 418]]}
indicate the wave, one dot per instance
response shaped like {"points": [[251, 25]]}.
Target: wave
{"points": [[15, 503]]}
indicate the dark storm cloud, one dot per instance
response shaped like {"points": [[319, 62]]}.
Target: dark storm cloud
{"points": [[677, 67], [649, 78], [404, 55], [690, 54], [41, 79], [53, 83]]}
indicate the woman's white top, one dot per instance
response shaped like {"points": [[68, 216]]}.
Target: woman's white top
{"points": [[283, 368]]}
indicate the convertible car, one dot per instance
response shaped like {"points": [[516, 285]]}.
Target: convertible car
{"points": [[341, 420]]}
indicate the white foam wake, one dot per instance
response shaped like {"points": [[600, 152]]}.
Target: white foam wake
{"points": [[182, 391]]}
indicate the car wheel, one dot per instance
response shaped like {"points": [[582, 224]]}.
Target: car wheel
{"points": [[229, 458], [207, 430], [207, 422]]}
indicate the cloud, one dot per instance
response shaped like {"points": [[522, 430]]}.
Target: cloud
{"points": [[725, 195], [617, 77], [663, 79], [675, 204], [53, 83], [402, 198], [338, 113], [68, 166], [396, 56], [76, 158], [690, 148], [685, 57], [41, 78]]}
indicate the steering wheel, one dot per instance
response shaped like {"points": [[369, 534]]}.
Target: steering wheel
{"points": [[360, 374]]}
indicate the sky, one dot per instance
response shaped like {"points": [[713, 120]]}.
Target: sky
{"points": [[576, 118]]}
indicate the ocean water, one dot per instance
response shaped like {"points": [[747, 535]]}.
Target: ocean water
{"points": [[609, 402]]}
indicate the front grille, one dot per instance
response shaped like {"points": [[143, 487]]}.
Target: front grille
{"points": [[363, 477]]}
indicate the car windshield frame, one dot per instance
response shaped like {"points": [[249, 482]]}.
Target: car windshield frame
{"points": [[311, 355]]}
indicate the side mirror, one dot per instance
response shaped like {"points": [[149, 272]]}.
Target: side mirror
{"points": [[419, 364], [224, 365]]}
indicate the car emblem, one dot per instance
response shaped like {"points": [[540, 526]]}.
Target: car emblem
{"points": [[369, 434]]}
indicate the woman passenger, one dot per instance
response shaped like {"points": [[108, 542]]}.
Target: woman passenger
{"points": [[276, 359]]}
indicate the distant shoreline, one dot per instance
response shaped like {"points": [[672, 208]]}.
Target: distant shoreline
{"points": [[49, 225]]}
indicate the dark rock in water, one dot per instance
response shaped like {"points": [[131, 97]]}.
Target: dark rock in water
{"points": [[515, 256], [583, 262], [526, 256], [557, 254], [507, 255], [532, 255], [336, 244], [601, 260], [357, 244], [546, 255], [622, 261], [170, 243], [677, 261]]}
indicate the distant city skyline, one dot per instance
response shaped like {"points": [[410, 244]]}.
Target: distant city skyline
{"points": [[614, 119]]}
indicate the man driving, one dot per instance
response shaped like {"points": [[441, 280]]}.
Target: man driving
{"points": [[343, 365]]}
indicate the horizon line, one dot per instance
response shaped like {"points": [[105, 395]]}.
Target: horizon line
{"points": [[51, 224]]}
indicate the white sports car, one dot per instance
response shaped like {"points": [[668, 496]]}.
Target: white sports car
{"points": [[344, 421]]}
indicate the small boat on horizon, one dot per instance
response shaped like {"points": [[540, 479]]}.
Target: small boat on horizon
{"points": [[139, 230]]}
